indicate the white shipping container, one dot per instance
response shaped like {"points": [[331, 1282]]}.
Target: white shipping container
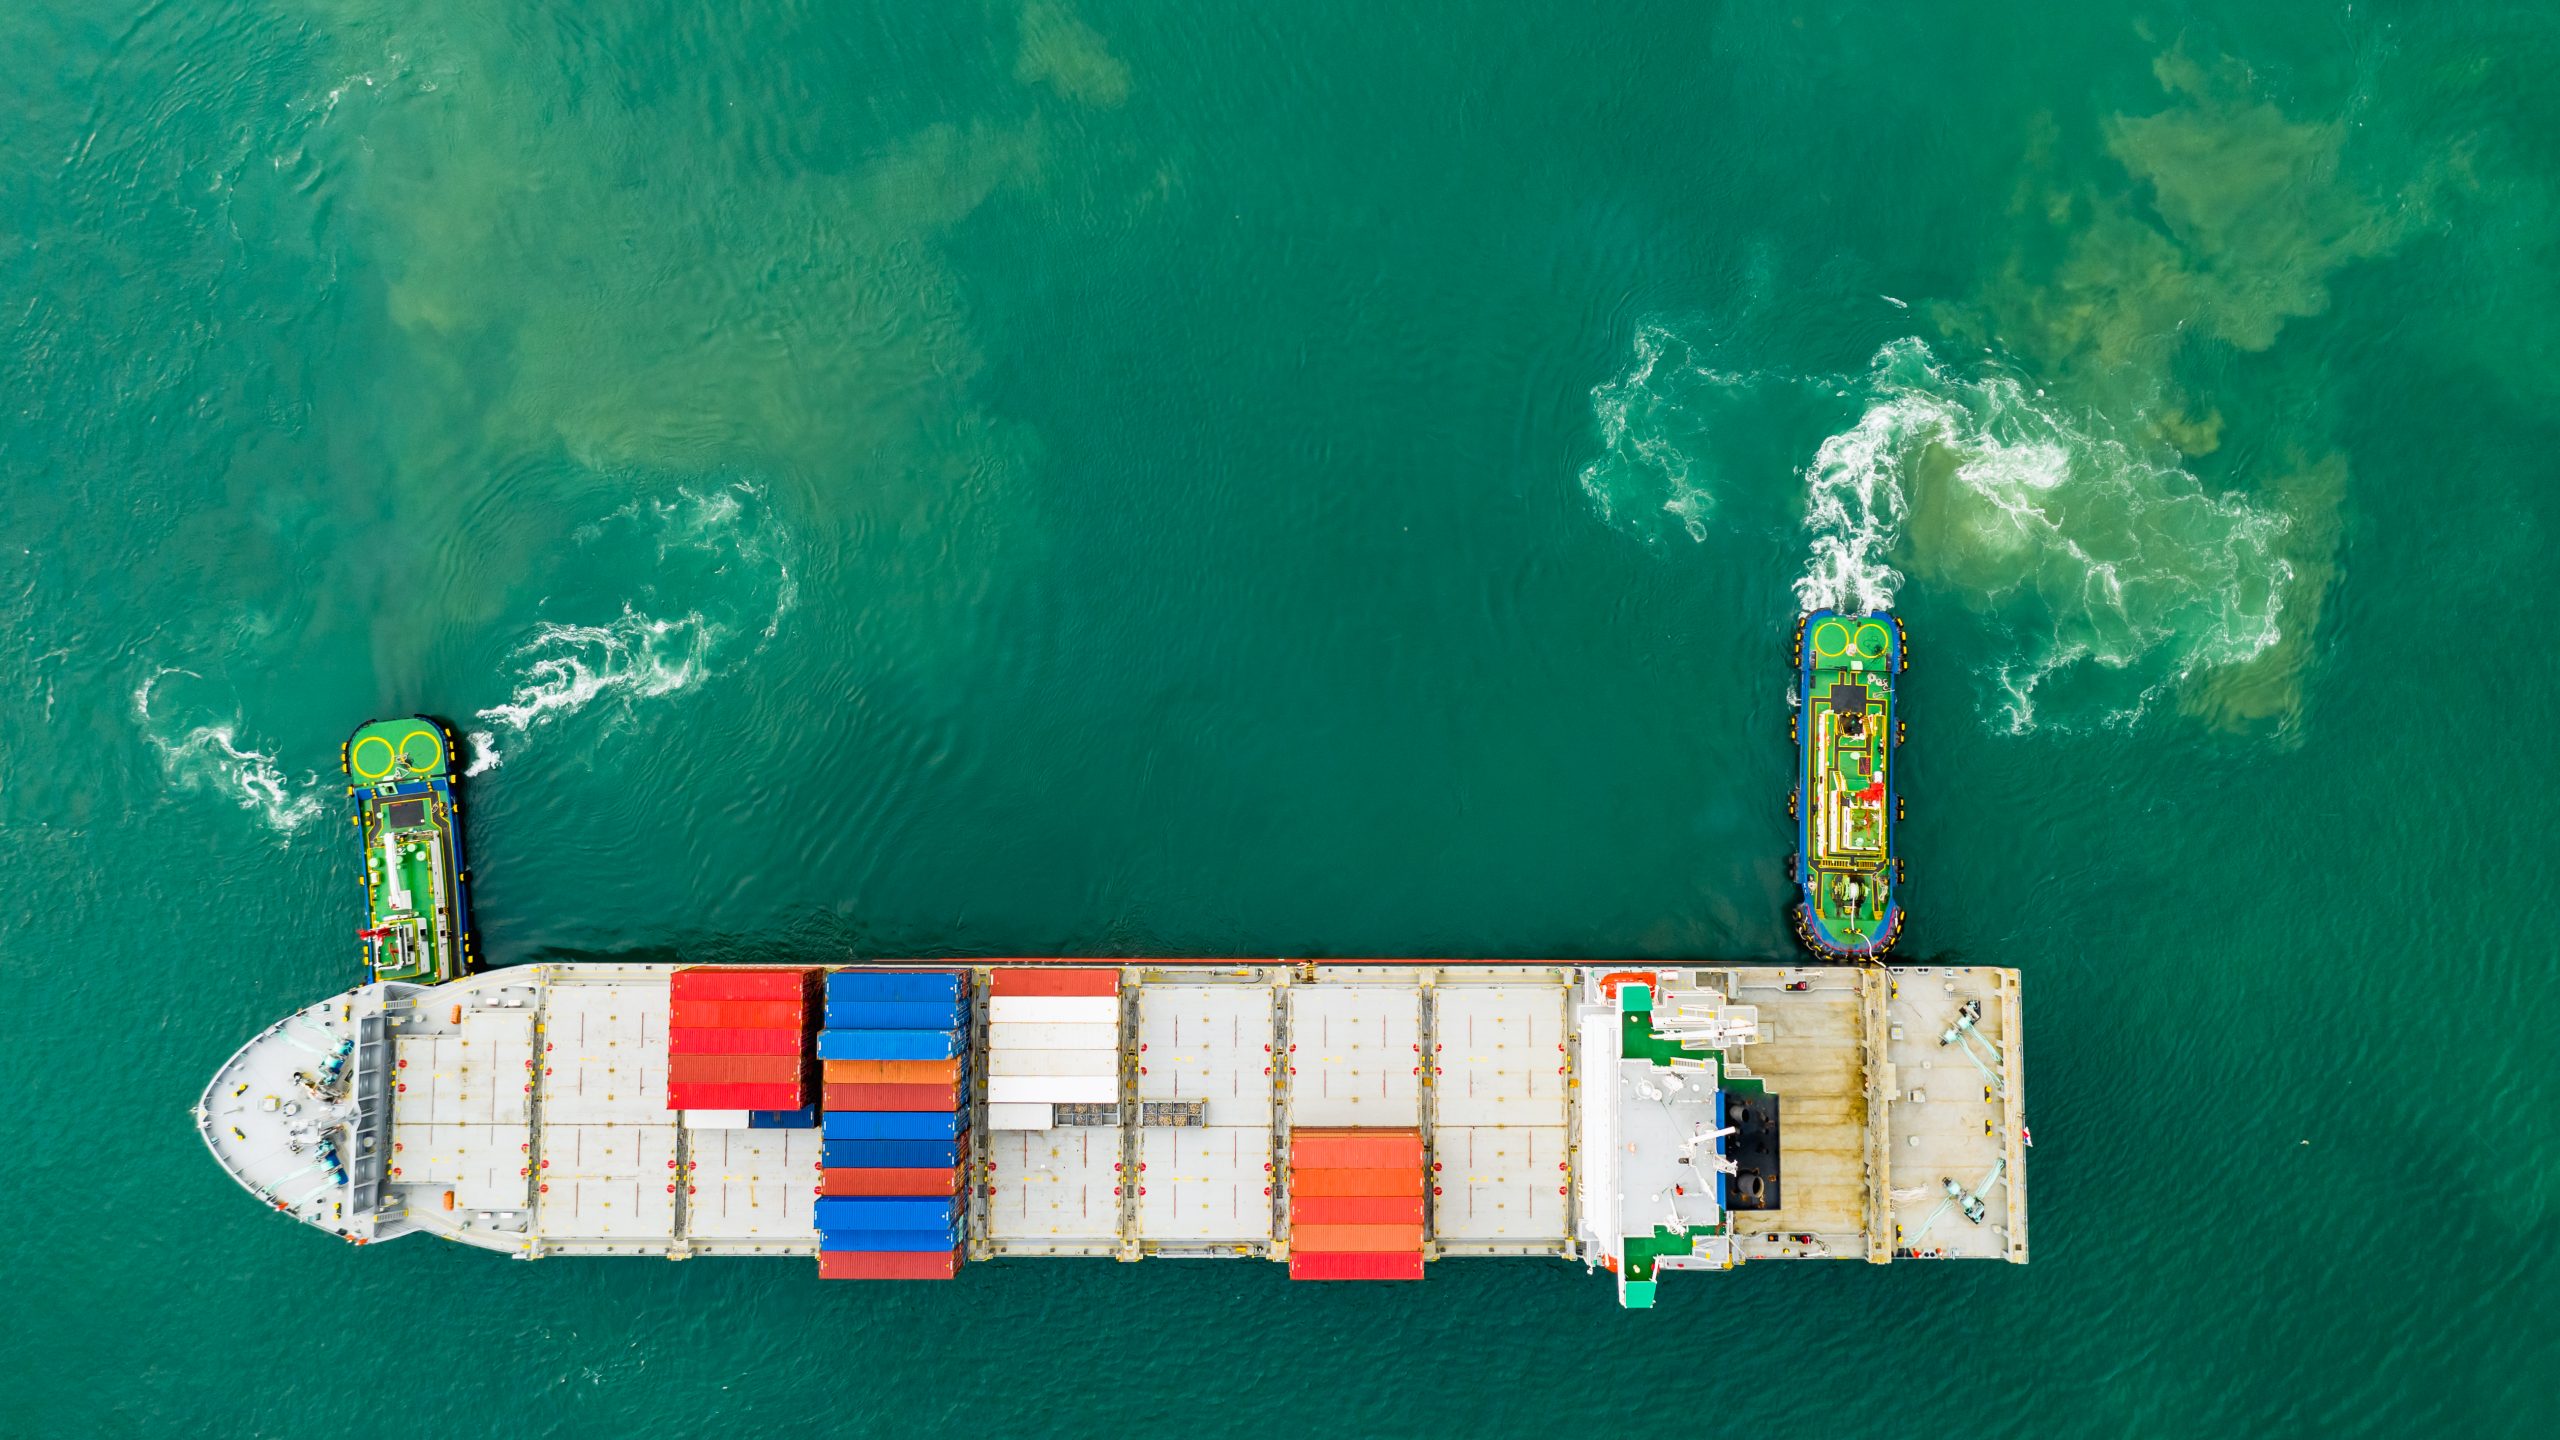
{"points": [[1070, 1089], [1053, 1062], [1054, 1010], [716, 1120], [1019, 1036], [1020, 1116]]}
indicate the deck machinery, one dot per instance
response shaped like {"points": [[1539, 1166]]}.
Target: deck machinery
{"points": [[1622, 1117]]}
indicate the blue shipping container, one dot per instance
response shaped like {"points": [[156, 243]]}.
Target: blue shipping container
{"points": [[897, 1014], [893, 1154], [896, 985], [783, 1119], [881, 1212], [911, 1242], [893, 1124], [888, 1044]]}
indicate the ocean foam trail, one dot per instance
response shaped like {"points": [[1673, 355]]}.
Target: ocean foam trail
{"points": [[1653, 435], [206, 756], [720, 554]]}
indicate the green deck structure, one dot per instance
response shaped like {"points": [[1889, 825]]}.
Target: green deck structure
{"points": [[417, 911], [1844, 805]]}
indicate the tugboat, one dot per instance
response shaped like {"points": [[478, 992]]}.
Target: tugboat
{"points": [[416, 883], [1844, 806]]}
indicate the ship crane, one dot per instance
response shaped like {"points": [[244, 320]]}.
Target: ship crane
{"points": [[1966, 1033]]}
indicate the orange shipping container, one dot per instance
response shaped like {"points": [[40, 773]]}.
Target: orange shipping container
{"points": [[1042, 980], [892, 1097], [1355, 1239], [1356, 1149], [1356, 1182], [906, 1182], [893, 1072], [1355, 1209]]}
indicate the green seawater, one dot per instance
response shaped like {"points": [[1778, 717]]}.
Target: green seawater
{"points": [[1089, 477]]}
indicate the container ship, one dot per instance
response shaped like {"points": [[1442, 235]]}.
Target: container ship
{"points": [[1351, 1120], [1846, 727]]}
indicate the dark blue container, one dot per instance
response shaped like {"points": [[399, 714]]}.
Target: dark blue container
{"points": [[888, 1044], [783, 1119], [880, 1212], [892, 1154], [893, 1124], [910, 1242], [897, 1014], [896, 985]]}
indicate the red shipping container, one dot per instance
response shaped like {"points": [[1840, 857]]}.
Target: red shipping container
{"points": [[891, 1182], [727, 983], [736, 1070], [1343, 1239], [736, 1042], [1355, 1210], [736, 1097], [1355, 1182], [893, 1072], [892, 1097], [1356, 1149], [884, 1265], [1027, 980], [1374, 1265], [738, 1015]]}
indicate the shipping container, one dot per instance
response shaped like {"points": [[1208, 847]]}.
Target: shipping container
{"points": [[893, 1097], [896, 1072], [733, 983], [897, 1014], [1329, 1149], [892, 1124], [805, 1118], [894, 1154], [896, 985], [887, 1212], [737, 1070], [718, 1119], [890, 1241], [790, 1041], [892, 1181], [1020, 1089], [1027, 980], [1012, 1035], [888, 1044], [1053, 1062], [888, 1265], [738, 1014], [1054, 1010], [1021, 1115], [1355, 1182], [735, 1097], [1374, 1265], [1355, 1209], [1331, 1239]]}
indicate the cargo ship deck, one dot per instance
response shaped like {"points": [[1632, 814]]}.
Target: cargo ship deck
{"points": [[1564, 1111]]}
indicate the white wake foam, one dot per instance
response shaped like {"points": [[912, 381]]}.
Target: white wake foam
{"points": [[203, 753], [719, 555]]}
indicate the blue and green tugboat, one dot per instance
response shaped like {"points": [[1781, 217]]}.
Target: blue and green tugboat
{"points": [[1846, 727], [417, 885]]}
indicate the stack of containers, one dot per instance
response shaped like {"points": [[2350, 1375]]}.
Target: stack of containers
{"points": [[738, 1047], [1053, 1038], [892, 1196], [1355, 1204]]}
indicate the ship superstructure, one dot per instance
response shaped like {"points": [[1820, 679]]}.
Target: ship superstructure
{"points": [[1627, 1118]]}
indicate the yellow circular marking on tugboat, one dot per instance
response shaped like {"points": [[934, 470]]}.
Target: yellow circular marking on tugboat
{"points": [[409, 749], [356, 757], [1831, 637], [1872, 640]]}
